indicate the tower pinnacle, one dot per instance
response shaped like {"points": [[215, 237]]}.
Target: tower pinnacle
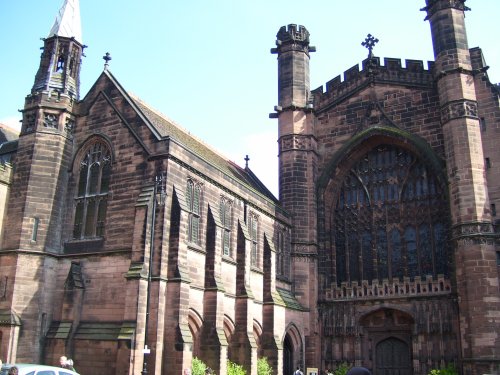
{"points": [[59, 69], [67, 22]]}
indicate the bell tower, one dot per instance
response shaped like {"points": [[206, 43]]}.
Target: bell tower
{"points": [[475, 258], [297, 166], [38, 193], [59, 70], [45, 143]]}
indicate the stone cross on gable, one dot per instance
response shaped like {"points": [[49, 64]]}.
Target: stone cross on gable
{"points": [[369, 43], [107, 59]]}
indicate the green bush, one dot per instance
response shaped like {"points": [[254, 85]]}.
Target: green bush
{"points": [[263, 367], [198, 367], [235, 369], [341, 369], [448, 370]]}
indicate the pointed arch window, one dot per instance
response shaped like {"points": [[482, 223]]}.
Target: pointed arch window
{"points": [[281, 260], [225, 211], [92, 191], [253, 227], [193, 198], [390, 220]]}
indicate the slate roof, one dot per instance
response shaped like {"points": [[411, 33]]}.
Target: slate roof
{"points": [[7, 134], [168, 128]]}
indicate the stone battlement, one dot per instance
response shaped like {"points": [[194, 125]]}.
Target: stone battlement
{"points": [[394, 289], [392, 71], [293, 33]]}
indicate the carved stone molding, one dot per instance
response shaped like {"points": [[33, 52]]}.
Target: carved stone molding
{"points": [[475, 228], [458, 109], [295, 142]]}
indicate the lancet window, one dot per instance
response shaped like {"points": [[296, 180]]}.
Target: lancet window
{"points": [[193, 198], [92, 191], [226, 220]]}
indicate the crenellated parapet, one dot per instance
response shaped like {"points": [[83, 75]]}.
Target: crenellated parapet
{"points": [[434, 6], [413, 74], [292, 37]]}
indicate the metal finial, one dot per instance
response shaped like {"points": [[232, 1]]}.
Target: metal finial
{"points": [[246, 161], [107, 59], [369, 43]]}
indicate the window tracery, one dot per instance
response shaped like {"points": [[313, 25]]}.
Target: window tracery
{"points": [[92, 191], [225, 212], [193, 198], [253, 227], [390, 220]]}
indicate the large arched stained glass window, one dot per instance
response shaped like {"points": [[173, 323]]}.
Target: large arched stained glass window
{"points": [[390, 219], [92, 191]]}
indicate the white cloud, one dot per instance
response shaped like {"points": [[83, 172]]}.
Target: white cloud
{"points": [[11, 122]]}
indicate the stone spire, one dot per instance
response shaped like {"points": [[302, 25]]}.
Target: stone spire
{"points": [[67, 22], [59, 70]]}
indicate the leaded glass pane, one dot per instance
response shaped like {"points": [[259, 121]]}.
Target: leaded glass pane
{"points": [[105, 178], [82, 181], [196, 200], [226, 242], [386, 195], [396, 258], [340, 245], [382, 254], [354, 257], [424, 242], [90, 219], [367, 256], [441, 249], [189, 194], [101, 217], [94, 179], [195, 227], [78, 225], [411, 251]]}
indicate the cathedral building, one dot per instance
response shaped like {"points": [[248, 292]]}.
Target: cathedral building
{"points": [[131, 246]]}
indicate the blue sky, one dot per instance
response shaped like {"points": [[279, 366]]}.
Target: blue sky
{"points": [[206, 64]]}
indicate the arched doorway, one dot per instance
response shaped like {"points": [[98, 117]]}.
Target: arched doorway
{"points": [[293, 350], [392, 357], [287, 356], [388, 335]]}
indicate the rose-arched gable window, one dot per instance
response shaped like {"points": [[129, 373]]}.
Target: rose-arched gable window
{"points": [[390, 219], [92, 191]]}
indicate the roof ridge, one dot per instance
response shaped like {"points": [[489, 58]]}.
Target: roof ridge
{"points": [[182, 128]]}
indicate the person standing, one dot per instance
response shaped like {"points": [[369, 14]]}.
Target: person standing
{"points": [[66, 363]]}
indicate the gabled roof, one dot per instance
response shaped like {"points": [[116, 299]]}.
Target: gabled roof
{"points": [[166, 128], [7, 134]]}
